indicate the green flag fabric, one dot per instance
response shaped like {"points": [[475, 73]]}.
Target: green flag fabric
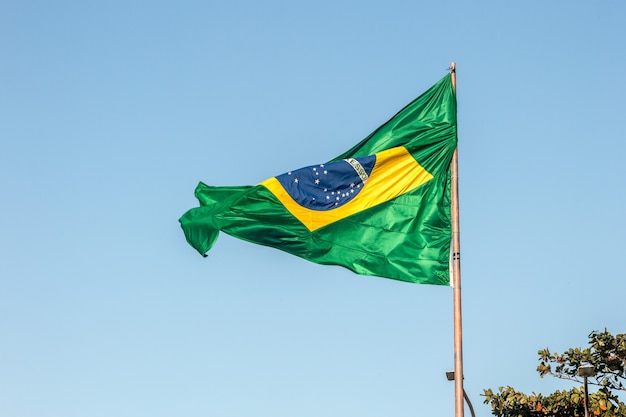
{"points": [[382, 208]]}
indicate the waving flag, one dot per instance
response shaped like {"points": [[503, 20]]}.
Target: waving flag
{"points": [[382, 208]]}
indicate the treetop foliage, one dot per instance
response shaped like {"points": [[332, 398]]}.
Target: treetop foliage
{"points": [[606, 353]]}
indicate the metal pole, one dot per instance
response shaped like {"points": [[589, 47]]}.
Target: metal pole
{"points": [[456, 276], [586, 398], [450, 376]]}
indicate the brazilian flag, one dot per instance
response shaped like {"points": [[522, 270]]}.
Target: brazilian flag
{"points": [[382, 208]]}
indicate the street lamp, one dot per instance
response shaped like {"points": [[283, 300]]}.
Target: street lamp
{"points": [[450, 377], [586, 371]]}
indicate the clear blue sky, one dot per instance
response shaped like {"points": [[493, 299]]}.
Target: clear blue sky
{"points": [[111, 112]]}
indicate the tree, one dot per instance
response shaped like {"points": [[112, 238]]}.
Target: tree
{"points": [[606, 353]]}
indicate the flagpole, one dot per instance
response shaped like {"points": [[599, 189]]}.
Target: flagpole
{"points": [[456, 276]]}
